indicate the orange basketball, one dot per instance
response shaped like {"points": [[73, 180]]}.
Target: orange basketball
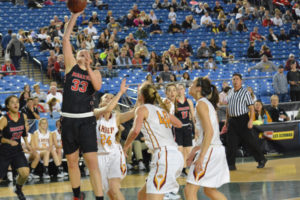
{"points": [[76, 6]]}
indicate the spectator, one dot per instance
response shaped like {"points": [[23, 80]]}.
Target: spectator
{"points": [[222, 16], [152, 66], [213, 47], [129, 21], [267, 21], [108, 16], [5, 40], [256, 36], [25, 95], [277, 114], [123, 60], [100, 4], [218, 8], [239, 15], [52, 106], [91, 29], [251, 52], [81, 20], [53, 93], [188, 65], [135, 11], [172, 15], [223, 96], [165, 75], [184, 5], [38, 93], [137, 61], [166, 4], [157, 5], [253, 96], [294, 32], [265, 50], [187, 46], [51, 60], [289, 61], [272, 37], [29, 110], [140, 33], [231, 27], [199, 9], [210, 64], [94, 19], [203, 51], [280, 84], [174, 5], [241, 27], [173, 78], [16, 50], [155, 28], [174, 27], [9, 68], [183, 53], [225, 46], [222, 26], [140, 47], [195, 25], [206, 20], [152, 15], [185, 77], [264, 65], [207, 8], [47, 45], [282, 4], [282, 36], [147, 21], [288, 17], [260, 112], [293, 77], [102, 43], [277, 21], [187, 23], [59, 66]]}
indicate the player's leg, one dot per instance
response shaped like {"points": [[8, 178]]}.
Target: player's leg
{"points": [[45, 157], [73, 169], [91, 161], [35, 159], [20, 163], [190, 191], [114, 189], [155, 196], [57, 162], [142, 195], [214, 194]]}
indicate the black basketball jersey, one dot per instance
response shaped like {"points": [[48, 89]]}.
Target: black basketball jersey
{"points": [[78, 95], [183, 112], [13, 131]]}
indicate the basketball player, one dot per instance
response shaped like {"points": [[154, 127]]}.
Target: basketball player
{"points": [[78, 120], [184, 111], [111, 158], [55, 138], [13, 126], [209, 167], [171, 94], [167, 162]]}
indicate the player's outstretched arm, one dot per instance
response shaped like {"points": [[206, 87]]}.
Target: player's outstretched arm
{"points": [[107, 109], [70, 60], [175, 121]]}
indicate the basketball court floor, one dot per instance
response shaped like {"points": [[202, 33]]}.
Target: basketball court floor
{"points": [[279, 180]]}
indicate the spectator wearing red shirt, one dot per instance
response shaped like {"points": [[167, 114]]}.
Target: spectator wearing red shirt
{"points": [[256, 36], [267, 21], [8, 67], [59, 66], [282, 4]]}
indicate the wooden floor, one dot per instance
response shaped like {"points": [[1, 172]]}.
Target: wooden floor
{"points": [[275, 178]]}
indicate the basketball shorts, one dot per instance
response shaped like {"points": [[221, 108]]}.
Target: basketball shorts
{"points": [[184, 136], [165, 167], [17, 160], [215, 171], [79, 133], [112, 165]]}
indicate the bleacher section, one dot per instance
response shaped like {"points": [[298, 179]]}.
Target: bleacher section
{"points": [[16, 17]]}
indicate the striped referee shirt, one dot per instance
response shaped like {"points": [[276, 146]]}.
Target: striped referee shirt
{"points": [[238, 102]]}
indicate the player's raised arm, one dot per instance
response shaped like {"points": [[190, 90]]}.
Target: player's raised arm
{"points": [[70, 60]]}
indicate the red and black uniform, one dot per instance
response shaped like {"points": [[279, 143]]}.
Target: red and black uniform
{"points": [[78, 98], [184, 135], [12, 155]]}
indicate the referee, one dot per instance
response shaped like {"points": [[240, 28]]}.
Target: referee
{"points": [[240, 125]]}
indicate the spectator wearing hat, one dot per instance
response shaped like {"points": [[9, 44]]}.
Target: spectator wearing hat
{"points": [[264, 65], [280, 84], [289, 62], [9, 68]]}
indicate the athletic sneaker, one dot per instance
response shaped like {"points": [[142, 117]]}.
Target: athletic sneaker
{"points": [[82, 197], [10, 176], [19, 193], [33, 176], [171, 195], [141, 166], [46, 176], [129, 166], [60, 175]]}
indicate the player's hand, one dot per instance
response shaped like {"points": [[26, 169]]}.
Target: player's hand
{"points": [[125, 150], [198, 164], [14, 143], [77, 14], [123, 86]]}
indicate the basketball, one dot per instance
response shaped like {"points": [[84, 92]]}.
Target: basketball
{"points": [[76, 6]]}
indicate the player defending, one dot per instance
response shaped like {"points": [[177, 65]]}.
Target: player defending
{"points": [[78, 121]]}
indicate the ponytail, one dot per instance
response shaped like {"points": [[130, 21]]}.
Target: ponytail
{"points": [[209, 91], [160, 102], [214, 96]]}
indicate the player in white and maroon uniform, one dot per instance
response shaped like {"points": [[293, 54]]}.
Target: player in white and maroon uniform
{"points": [[167, 162], [209, 167], [111, 157]]}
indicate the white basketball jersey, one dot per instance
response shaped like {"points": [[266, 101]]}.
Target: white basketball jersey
{"points": [[43, 139], [157, 128], [58, 137], [214, 121], [106, 134]]}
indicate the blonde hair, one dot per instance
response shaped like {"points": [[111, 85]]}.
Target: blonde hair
{"points": [[41, 120]]}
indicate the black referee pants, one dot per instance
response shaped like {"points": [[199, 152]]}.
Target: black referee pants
{"points": [[238, 132]]}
